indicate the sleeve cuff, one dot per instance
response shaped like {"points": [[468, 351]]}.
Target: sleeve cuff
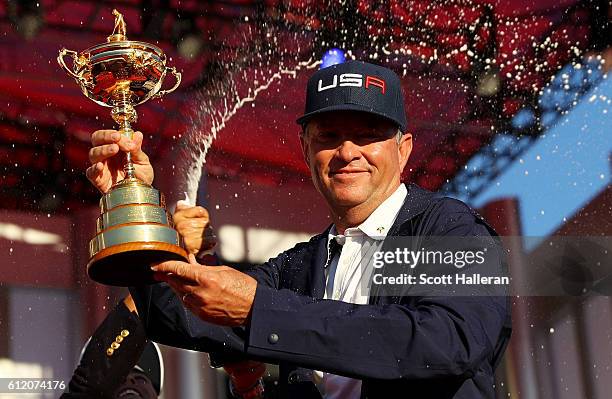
{"points": [[274, 322]]}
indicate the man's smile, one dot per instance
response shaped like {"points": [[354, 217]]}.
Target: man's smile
{"points": [[347, 172]]}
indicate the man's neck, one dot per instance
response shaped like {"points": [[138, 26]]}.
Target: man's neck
{"points": [[345, 218]]}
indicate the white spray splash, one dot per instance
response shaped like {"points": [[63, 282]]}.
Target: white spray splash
{"points": [[219, 120]]}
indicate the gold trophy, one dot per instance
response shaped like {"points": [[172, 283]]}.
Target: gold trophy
{"points": [[134, 228]]}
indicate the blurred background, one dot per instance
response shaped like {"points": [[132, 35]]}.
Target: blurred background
{"points": [[508, 102]]}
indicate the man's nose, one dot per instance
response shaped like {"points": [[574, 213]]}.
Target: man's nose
{"points": [[348, 151]]}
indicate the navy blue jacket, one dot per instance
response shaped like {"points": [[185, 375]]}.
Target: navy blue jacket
{"points": [[406, 346]]}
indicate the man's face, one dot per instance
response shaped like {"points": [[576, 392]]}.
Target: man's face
{"points": [[354, 157]]}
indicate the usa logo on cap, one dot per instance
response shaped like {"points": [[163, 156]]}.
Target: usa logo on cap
{"points": [[355, 86], [353, 80]]}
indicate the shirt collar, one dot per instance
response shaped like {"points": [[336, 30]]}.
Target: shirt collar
{"points": [[378, 224]]}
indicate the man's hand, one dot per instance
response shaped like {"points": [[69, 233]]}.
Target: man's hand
{"points": [[128, 301], [245, 375], [193, 224], [217, 294], [107, 159]]}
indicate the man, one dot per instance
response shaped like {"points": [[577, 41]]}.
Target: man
{"points": [[305, 309]]}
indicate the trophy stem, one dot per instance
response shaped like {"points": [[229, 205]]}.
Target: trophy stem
{"points": [[128, 168], [124, 113]]}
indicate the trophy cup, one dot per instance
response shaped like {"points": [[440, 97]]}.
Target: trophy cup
{"points": [[134, 228]]}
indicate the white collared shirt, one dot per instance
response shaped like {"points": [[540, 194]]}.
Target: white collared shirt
{"points": [[346, 281]]}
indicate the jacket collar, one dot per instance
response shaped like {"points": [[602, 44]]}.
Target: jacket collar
{"points": [[317, 268], [417, 200]]}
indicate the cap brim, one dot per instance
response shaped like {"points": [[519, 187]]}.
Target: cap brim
{"points": [[304, 119]]}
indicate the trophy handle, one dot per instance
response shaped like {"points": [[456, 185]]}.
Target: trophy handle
{"points": [[177, 77], [60, 59]]}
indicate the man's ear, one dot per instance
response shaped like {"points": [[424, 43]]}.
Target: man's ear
{"points": [[305, 149], [405, 149]]}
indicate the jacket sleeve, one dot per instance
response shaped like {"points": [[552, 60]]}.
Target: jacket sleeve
{"points": [[430, 337], [168, 322], [98, 375]]}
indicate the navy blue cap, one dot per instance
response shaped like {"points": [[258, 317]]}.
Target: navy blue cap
{"points": [[355, 86]]}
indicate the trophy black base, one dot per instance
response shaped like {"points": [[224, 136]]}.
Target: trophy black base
{"points": [[129, 264]]}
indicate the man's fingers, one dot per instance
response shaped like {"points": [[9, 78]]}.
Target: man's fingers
{"points": [[181, 269], [94, 171], [101, 137], [95, 174], [102, 153], [191, 229], [106, 137], [196, 213], [132, 145], [138, 155], [137, 139], [176, 282], [176, 267], [193, 212]]}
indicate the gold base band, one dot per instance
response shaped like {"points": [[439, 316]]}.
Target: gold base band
{"points": [[129, 264]]}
